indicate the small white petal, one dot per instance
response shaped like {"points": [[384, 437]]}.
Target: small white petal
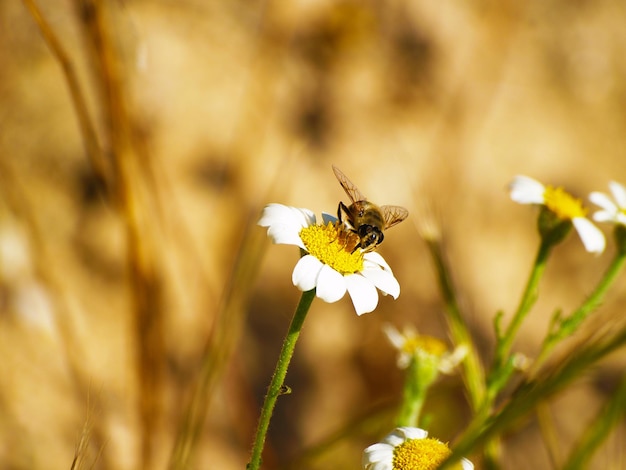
{"points": [[604, 216], [279, 213], [467, 465], [396, 338], [591, 236], [450, 361], [401, 434], [384, 280], [306, 272], [285, 223], [385, 465], [378, 465], [362, 292], [328, 218], [602, 200], [285, 235], [394, 438], [331, 285], [374, 258], [378, 457], [619, 193], [525, 190], [413, 433]]}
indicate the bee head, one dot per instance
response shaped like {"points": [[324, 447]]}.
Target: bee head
{"points": [[370, 236]]}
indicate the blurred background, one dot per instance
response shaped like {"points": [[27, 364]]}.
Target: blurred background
{"points": [[135, 283]]}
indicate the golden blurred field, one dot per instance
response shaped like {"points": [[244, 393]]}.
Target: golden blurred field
{"points": [[121, 267]]}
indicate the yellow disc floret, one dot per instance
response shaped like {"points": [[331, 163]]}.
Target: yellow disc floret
{"points": [[428, 344], [421, 454], [563, 204], [334, 246]]}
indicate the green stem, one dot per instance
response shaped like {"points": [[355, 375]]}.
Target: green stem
{"points": [[274, 389], [570, 324], [528, 299], [418, 380]]}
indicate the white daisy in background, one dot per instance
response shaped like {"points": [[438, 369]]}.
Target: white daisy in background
{"points": [[409, 448], [331, 264], [614, 212], [412, 345], [525, 190]]}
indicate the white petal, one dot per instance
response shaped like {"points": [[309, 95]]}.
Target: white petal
{"points": [[396, 338], [375, 258], [394, 438], [401, 434], [279, 213], [384, 280], [591, 236], [362, 292], [285, 223], [384, 465], [306, 272], [450, 360], [467, 465], [605, 216], [525, 190], [282, 234], [328, 218], [330, 285], [602, 200], [378, 457], [413, 433], [619, 193]]}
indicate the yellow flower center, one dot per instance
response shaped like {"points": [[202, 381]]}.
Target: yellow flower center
{"points": [[334, 246], [563, 204], [421, 454], [428, 344]]}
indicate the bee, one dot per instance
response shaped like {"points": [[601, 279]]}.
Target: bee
{"points": [[367, 220]]}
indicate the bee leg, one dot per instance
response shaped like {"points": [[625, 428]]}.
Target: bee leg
{"points": [[342, 208], [345, 226]]}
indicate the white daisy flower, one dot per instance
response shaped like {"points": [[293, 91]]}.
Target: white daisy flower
{"points": [[525, 190], [614, 212], [331, 264], [409, 448], [411, 345]]}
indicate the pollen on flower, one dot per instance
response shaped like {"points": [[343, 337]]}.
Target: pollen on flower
{"points": [[563, 204], [334, 246], [420, 454]]}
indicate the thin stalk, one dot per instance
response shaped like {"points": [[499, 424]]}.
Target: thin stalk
{"points": [[278, 379], [528, 299], [569, 325], [416, 385]]}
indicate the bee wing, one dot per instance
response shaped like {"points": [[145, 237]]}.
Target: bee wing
{"points": [[394, 215], [351, 190]]}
